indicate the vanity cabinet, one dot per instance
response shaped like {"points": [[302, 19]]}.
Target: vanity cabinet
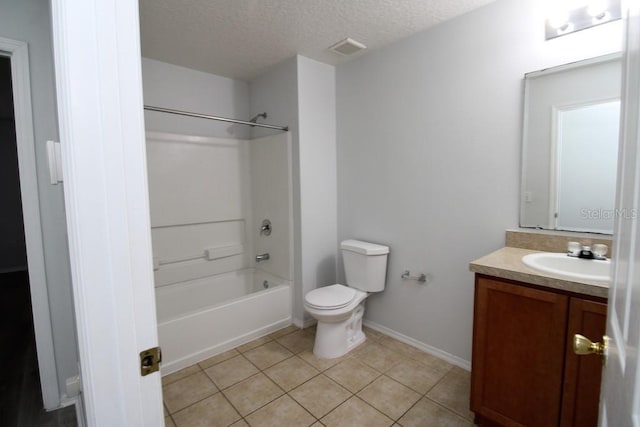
{"points": [[524, 371]]}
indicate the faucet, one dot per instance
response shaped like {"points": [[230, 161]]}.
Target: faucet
{"points": [[584, 251], [262, 257]]}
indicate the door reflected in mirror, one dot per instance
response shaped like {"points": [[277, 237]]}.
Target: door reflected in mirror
{"points": [[570, 146], [586, 167]]}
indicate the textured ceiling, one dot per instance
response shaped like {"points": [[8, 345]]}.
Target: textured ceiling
{"points": [[242, 38]]}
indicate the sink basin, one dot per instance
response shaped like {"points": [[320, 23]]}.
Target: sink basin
{"points": [[569, 267]]}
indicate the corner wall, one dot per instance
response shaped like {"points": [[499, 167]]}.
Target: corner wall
{"points": [[300, 93], [276, 92], [429, 134], [318, 175]]}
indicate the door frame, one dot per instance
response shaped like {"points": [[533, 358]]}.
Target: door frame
{"points": [[100, 115], [18, 54]]}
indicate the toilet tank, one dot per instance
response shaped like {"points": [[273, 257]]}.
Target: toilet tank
{"points": [[365, 264]]}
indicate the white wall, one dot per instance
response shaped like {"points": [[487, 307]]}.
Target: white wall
{"points": [[318, 175], [215, 165], [179, 88], [429, 136], [29, 21], [199, 199], [200, 185], [212, 194]]}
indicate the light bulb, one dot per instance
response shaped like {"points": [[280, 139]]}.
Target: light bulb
{"points": [[565, 29], [558, 18], [598, 8]]}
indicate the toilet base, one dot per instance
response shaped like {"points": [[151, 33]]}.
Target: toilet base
{"points": [[337, 339]]}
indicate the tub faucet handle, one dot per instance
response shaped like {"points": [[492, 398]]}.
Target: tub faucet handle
{"points": [[265, 228], [262, 257]]}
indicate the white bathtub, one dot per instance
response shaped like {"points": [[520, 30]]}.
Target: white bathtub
{"points": [[201, 318]]}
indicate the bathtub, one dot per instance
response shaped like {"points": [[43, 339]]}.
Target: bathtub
{"points": [[201, 318]]}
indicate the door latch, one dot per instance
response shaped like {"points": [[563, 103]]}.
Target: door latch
{"points": [[150, 361]]}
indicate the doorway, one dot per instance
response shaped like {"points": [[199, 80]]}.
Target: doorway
{"points": [[21, 401]]}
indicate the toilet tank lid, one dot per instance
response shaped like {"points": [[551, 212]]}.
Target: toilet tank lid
{"points": [[364, 248]]}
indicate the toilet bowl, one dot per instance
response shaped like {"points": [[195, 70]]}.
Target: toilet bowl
{"points": [[339, 309], [339, 319]]}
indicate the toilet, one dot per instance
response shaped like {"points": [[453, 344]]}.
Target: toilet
{"points": [[338, 308]]}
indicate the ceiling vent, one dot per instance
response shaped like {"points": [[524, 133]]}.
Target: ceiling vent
{"points": [[347, 47]]}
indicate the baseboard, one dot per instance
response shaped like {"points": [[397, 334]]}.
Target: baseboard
{"points": [[77, 402], [298, 322], [454, 360], [13, 269], [309, 323], [304, 323]]}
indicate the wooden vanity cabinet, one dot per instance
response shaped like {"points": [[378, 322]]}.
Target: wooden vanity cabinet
{"points": [[524, 371]]}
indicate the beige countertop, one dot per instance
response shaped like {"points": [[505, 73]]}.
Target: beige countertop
{"points": [[507, 263]]}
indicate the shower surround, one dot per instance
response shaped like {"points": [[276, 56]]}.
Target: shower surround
{"points": [[208, 198]]}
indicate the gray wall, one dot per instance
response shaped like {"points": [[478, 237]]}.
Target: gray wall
{"points": [[429, 136], [318, 175], [300, 93], [276, 92], [29, 21], [170, 86]]}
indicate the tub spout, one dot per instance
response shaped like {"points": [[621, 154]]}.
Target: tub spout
{"points": [[262, 257]]}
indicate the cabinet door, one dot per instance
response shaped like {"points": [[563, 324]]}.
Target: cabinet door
{"points": [[583, 374], [518, 352]]}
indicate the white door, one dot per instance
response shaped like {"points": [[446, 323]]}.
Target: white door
{"points": [[100, 115], [620, 395]]}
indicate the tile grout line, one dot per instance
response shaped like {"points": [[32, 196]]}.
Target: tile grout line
{"points": [[442, 404], [198, 401], [448, 409], [236, 409], [287, 393], [330, 379], [220, 390], [424, 396]]}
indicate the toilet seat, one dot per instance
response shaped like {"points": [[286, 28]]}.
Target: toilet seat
{"points": [[330, 297]]}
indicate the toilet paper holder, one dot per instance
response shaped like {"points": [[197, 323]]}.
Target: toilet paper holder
{"points": [[407, 276]]}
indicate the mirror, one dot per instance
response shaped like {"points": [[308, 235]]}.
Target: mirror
{"points": [[570, 146]]}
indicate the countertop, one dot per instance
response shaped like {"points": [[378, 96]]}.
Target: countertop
{"points": [[507, 263]]}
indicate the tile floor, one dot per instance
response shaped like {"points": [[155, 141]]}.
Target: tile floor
{"points": [[277, 381]]}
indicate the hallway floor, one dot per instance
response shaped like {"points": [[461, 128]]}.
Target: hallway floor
{"points": [[277, 381], [20, 395]]}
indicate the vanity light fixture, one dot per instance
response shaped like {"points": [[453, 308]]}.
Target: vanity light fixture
{"points": [[595, 12]]}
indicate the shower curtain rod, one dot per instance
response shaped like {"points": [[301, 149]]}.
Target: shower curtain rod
{"points": [[206, 116]]}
